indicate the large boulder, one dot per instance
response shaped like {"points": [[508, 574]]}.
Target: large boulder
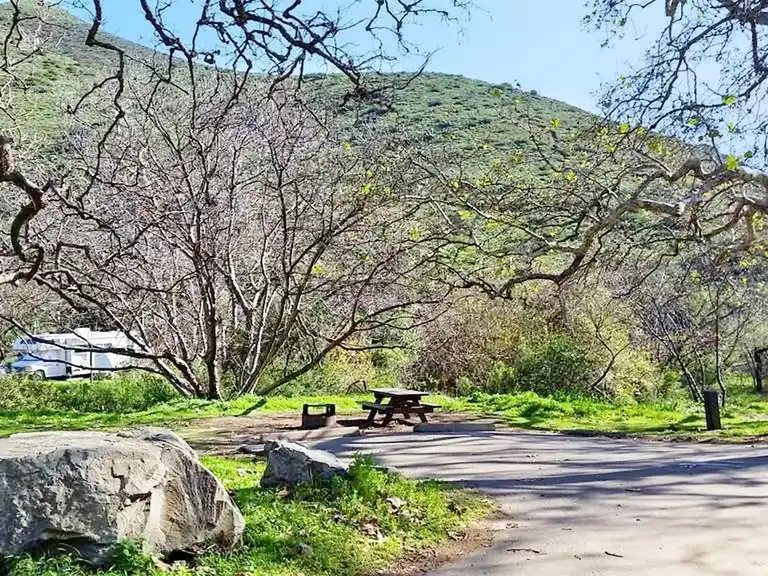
{"points": [[88, 491], [289, 464]]}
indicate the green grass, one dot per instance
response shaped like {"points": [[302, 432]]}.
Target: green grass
{"points": [[353, 526], [745, 414], [168, 413], [132, 400]]}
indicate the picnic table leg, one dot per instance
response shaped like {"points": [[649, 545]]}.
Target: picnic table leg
{"points": [[423, 417], [387, 418], [372, 414]]}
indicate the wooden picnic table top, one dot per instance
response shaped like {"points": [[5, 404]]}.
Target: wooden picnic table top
{"points": [[398, 393]]}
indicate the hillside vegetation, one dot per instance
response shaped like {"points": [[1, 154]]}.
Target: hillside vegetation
{"points": [[434, 107]]}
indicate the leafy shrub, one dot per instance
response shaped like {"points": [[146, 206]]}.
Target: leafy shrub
{"points": [[559, 363], [542, 342], [342, 370], [119, 394]]}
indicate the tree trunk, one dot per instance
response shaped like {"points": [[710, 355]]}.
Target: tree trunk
{"points": [[758, 356], [718, 367]]}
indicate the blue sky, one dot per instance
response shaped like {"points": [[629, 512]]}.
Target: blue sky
{"points": [[539, 43]]}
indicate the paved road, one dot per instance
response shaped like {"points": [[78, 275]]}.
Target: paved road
{"points": [[597, 506]]}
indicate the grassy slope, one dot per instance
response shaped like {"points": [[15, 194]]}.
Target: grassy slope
{"points": [[461, 112], [352, 526]]}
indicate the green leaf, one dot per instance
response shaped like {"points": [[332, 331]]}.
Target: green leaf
{"points": [[748, 154], [694, 121], [729, 100], [555, 123], [496, 93], [624, 129], [366, 188], [347, 146], [732, 162], [695, 277]]}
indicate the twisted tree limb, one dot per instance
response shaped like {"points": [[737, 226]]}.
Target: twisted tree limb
{"points": [[32, 255]]}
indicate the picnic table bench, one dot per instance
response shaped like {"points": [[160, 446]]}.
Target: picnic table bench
{"points": [[401, 401]]}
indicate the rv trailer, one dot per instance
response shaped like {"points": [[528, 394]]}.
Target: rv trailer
{"points": [[53, 355]]}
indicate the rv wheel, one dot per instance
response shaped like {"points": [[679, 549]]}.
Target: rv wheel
{"points": [[38, 375]]}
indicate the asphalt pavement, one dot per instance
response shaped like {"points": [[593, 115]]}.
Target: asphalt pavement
{"points": [[596, 506]]}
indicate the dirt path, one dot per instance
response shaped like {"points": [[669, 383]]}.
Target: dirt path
{"points": [[225, 435]]}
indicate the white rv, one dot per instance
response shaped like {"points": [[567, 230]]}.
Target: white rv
{"points": [[61, 355]]}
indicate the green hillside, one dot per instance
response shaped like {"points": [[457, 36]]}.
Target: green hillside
{"points": [[462, 112]]}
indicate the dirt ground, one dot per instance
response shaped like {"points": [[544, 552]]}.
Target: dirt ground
{"points": [[463, 543], [228, 434]]}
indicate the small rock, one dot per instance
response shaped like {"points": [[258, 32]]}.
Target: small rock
{"points": [[290, 464], [371, 529], [388, 470], [396, 504], [303, 549]]}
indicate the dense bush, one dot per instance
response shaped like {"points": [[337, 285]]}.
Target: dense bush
{"points": [[345, 371], [557, 363], [121, 393], [467, 343], [541, 341]]}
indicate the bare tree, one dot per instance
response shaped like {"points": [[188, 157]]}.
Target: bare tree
{"points": [[199, 206], [700, 312], [592, 195], [703, 77], [236, 237], [278, 39]]}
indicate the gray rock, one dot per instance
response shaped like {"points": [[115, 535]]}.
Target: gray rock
{"points": [[87, 491], [289, 464]]}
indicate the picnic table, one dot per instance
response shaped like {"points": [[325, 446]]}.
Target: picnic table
{"points": [[400, 401]]}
